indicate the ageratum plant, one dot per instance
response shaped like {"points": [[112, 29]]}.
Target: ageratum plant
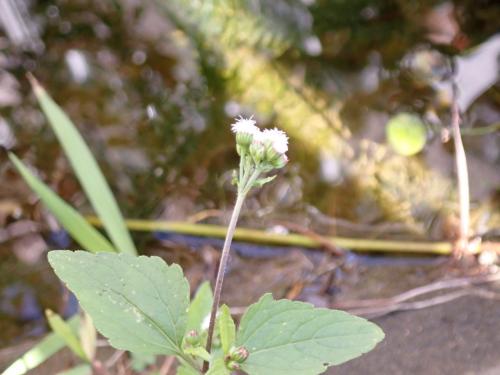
{"points": [[143, 305]]}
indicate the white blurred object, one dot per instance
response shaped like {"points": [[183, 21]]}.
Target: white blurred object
{"points": [[77, 65], [9, 90], [488, 258], [331, 169], [7, 139], [478, 71], [312, 46]]}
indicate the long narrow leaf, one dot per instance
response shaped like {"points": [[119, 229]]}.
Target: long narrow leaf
{"points": [[64, 331], [87, 171], [83, 233], [47, 347]]}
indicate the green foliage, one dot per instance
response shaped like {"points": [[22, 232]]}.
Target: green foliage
{"points": [[65, 332], [139, 303], [286, 337], [406, 134], [87, 171], [227, 328], [76, 225], [218, 367], [186, 370], [88, 237], [197, 351], [200, 307]]}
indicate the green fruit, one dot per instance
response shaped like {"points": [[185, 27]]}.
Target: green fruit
{"points": [[406, 134]]}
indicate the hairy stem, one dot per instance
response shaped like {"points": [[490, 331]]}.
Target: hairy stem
{"points": [[222, 271]]}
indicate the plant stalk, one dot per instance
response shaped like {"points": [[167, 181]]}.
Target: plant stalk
{"points": [[222, 270], [462, 177], [293, 239]]}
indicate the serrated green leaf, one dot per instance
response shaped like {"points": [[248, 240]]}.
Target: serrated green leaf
{"points": [[87, 171], [200, 307], [39, 353], [64, 331], [293, 338], [227, 328], [197, 351], [218, 367], [83, 369], [138, 303], [406, 134], [76, 225]]}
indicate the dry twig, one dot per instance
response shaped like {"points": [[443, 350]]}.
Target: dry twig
{"points": [[462, 245]]}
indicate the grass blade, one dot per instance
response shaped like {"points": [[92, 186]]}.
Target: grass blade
{"points": [[64, 331], [82, 232], [47, 347], [87, 171]]}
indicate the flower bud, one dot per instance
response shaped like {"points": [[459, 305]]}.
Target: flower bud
{"points": [[244, 139], [257, 151], [280, 162], [272, 154], [193, 338], [239, 354], [245, 129]]}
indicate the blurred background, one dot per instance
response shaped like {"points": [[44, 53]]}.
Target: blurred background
{"points": [[364, 90]]}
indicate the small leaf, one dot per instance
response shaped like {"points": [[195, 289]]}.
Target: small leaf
{"points": [[138, 303], [84, 369], [86, 169], [197, 351], [261, 181], [406, 134], [200, 307], [293, 338], [83, 233], [64, 331], [218, 367], [227, 329], [88, 336]]}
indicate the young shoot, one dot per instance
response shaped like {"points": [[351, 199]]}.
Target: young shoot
{"points": [[261, 152]]}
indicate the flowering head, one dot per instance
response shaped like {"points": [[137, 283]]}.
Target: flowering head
{"points": [[245, 131], [277, 140], [260, 152]]}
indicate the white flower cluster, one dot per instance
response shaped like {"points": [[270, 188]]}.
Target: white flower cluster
{"points": [[245, 126], [267, 147]]}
